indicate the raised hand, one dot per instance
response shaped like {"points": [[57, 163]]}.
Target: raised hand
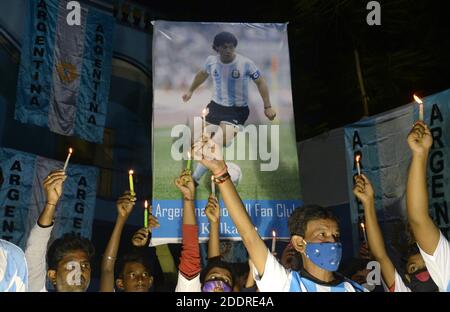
{"points": [[187, 96], [125, 205], [420, 139], [212, 209], [270, 113], [152, 220], [185, 184], [209, 154], [53, 186], [363, 190], [140, 238]]}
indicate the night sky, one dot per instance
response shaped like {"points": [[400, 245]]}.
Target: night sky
{"points": [[409, 53]]}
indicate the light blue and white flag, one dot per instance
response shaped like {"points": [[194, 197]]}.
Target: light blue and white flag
{"points": [[22, 196], [382, 142], [65, 70]]}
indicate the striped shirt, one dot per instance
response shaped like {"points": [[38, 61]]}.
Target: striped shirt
{"points": [[277, 279], [13, 268], [230, 80]]}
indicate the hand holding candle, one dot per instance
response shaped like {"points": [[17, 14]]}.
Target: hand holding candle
{"points": [[130, 177], [419, 101], [67, 159], [274, 239]]}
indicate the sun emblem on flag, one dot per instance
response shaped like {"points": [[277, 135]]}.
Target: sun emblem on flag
{"points": [[67, 72]]}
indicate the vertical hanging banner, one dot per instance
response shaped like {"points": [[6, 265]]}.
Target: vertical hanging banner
{"points": [[385, 157], [209, 76], [65, 69], [22, 196]]}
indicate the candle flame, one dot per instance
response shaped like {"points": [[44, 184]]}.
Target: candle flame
{"points": [[274, 234], [130, 172], [417, 99], [358, 157], [70, 150], [362, 225], [189, 155], [204, 112], [146, 204]]}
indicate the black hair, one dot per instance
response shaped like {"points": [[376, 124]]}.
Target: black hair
{"points": [[134, 255], [224, 37], [412, 250], [302, 215], [217, 263], [68, 243]]}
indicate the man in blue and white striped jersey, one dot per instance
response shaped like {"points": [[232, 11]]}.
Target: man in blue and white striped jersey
{"points": [[231, 73]]}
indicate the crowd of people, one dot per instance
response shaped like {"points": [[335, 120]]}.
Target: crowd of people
{"points": [[310, 262]]}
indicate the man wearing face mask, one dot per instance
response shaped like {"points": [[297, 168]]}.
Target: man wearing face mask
{"points": [[314, 234]]}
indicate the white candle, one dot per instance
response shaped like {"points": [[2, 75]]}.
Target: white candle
{"points": [[419, 101], [204, 113], [274, 239], [213, 186], [67, 159], [358, 168], [364, 232]]}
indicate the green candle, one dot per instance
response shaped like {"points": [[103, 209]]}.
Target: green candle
{"points": [[146, 214], [188, 166]]}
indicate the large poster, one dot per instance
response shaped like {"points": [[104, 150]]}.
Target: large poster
{"points": [[213, 75], [65, 69], [22, 196], [385, 157]]}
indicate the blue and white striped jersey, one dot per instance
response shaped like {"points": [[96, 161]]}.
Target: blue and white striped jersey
{"points": [[13, 268], [231, 80], [277, 279]]}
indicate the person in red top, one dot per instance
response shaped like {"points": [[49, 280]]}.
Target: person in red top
{"points": [[189, 278]]}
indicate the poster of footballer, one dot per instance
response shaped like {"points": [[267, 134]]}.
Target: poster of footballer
{"points": [[230, 82]]}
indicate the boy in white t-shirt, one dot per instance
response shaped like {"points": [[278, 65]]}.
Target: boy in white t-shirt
{"points": [[433, 246]]}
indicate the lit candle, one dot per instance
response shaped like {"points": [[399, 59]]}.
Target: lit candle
{"points": [[419, 101], [213, 186], [188, 165], [358, 157], [204, 113], [364, 232], [130, 176], [67, 159], [274, 239], [146, 214]]}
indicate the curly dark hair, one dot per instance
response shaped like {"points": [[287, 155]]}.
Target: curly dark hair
{"points": [[134, 255], [224, 37], [68, 243], [302, 215]]}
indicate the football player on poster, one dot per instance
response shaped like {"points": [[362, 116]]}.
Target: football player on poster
{"points": [[228, 108]]}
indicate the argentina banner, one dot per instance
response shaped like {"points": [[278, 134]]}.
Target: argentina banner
{"points": [[261, 158], [65, 70], [22, 196], [381, 142]]}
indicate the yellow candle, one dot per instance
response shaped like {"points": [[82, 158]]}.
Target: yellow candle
{"points": [[130, 176]]}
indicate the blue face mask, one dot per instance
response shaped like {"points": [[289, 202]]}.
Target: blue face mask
{"points": [[325, 255]]}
